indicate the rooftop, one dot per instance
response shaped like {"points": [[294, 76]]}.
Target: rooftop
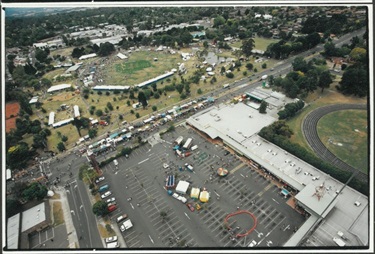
{"points": [[13, 229], [219, 121], [33, 216], [58, 87]]}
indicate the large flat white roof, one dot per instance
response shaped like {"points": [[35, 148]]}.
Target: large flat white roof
{"points": [[111, 87], [33, 216], [244, 121], [13, 230], [58, 87], [234, 126]]}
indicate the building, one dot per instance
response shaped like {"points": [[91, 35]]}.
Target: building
{"points": [[331, 205], [62, 123], [22, 225], [153, 80], [51, 118], [34, 100], [73, 68], [84, 57], [122, 56], [76, 111], [109, 88], [58, 88]]}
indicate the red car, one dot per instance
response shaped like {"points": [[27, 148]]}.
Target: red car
{"points": [[112, 208], [190, 206]]}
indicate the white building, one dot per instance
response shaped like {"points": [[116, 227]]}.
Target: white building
{"points": [[58, 87], [51, 118], [76, 111], [182, 187], [84, 57]]}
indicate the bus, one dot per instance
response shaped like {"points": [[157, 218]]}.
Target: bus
{"points": [[188, 143], [179, 140]]}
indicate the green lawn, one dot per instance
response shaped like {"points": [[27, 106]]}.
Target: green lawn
{"points": [[349, 145], [260, 43], [133, 66]]}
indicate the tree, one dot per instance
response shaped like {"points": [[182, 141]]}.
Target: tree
{"points": [[358, 54], [61, 146], [39, 141], [263, 107], [109, 106], [264, 65], [99, 112], [247, 46], [163, 215], [18, 155], [100, 208], [13, 206], [299, 64], [154, 108], [325, 80], [93, 133], [35, 191], [249, 66], [199, 91], [142, 99], [106, 49], [64, 138], [354, 81]]}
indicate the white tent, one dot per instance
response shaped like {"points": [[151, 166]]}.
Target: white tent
{"points": [[182, 187]]}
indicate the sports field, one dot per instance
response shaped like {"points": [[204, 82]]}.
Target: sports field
{"points": [[347, 132], [133, 66], [11, 112]]}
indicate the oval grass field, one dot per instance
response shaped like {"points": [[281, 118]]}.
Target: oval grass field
{"points": [[344, 133]]}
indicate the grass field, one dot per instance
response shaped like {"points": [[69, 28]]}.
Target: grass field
{"points": [[133, 66], [347, 143], [58, 215], [314, 101], [260, 43]]}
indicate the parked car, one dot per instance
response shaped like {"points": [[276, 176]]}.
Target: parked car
{"points": [[112, 208], [99, 179], [182, 199], [111, 239], [165, 165], [175, 195], [110, 200], [126, 225], [106, 194], [253, 243], [111, 204], [121, 218], [198, 206], [190, 206]]}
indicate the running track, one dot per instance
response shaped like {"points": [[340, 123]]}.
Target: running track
{"points": [[311, 135]]}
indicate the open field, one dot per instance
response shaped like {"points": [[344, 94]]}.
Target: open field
{"points": [[260, 43], [11, 112], [138, 68], [347, 131], [314, 101]]}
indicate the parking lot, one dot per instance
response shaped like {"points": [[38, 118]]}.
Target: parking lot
{"points": [[138, 185]]}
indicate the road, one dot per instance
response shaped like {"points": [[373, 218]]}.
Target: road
{"points": [[84, 219], [66, 170]]}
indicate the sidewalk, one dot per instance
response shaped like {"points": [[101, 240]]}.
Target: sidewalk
{"points": [[72, 235]]}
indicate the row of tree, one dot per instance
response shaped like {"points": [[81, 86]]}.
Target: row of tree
{"points": [[291, 109], [305, 78], [279, 134]]}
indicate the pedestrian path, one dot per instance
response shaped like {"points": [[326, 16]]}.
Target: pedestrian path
{"points": [[68, 221]]}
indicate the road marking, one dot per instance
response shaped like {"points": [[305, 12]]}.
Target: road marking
{"points": [[131, 205], [143, 161], [151, 239], [242, 175], [276, 201], [187, 216], [265, 189], [237, 168]]}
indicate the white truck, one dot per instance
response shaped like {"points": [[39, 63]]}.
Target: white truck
{"points": [[339, 242], [264, 77], [126, 225]]}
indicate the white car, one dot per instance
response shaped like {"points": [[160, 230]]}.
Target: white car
{"points": [[106, 194], [182, 199], [253, 243], [111, 239], [165, 165], [98, 180], [175, 195], [111, 200]]}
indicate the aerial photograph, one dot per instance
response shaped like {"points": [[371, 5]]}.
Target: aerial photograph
{"points": [[187, 128]]}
